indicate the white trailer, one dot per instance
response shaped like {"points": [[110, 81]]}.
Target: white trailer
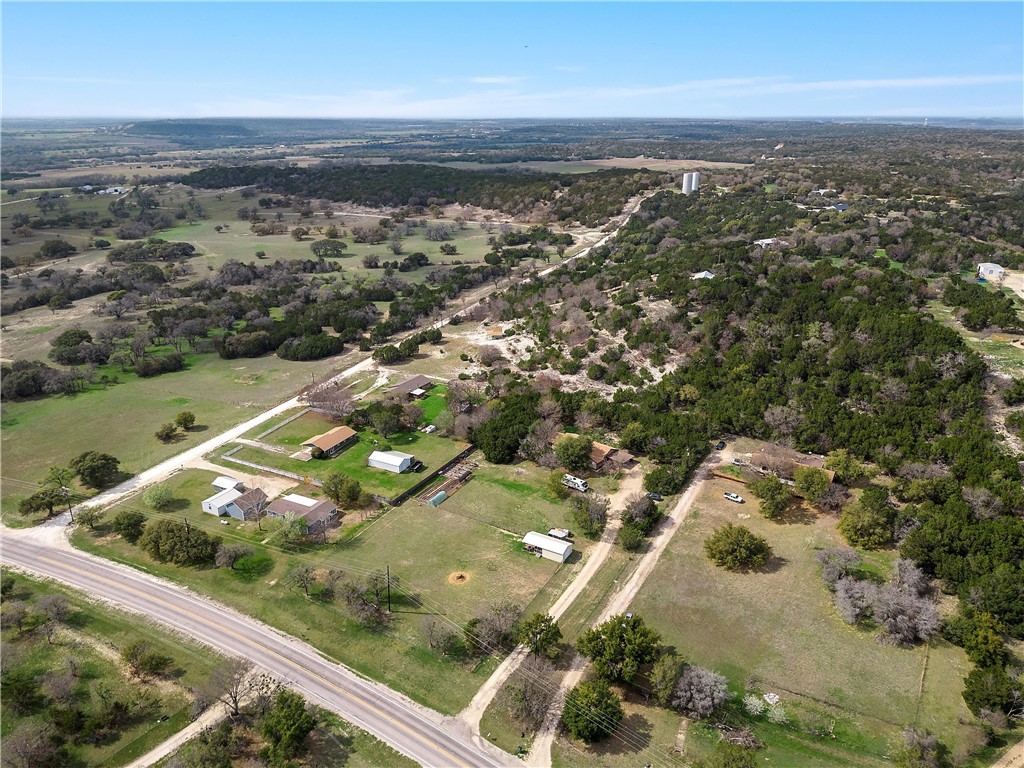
{"points": [[576, 483]]}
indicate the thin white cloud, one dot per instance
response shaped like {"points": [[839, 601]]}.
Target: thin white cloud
{"points": [[894, 82], [573, 69], [71, 80], [496, 80]]}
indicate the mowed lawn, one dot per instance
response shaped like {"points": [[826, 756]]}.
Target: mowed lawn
{"points": [[121, 419], [424, 547], [778, 630], [432, 450]]}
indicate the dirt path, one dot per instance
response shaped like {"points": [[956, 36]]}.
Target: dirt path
{"points": [[208, 719], [540, 753], [631, 483], [1012, 759]]}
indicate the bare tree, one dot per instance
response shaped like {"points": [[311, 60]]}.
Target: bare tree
{"points": [[302, 576], [334, 400], [853, 599], [837, 563], [700, 692], [529, 690]]}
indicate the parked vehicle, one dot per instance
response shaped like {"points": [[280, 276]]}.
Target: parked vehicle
{"points": [[733, 497], [576, 483], [739, 462], [654, 496], [720, 445], [431, 428]]}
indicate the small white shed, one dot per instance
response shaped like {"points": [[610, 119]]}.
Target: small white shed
{"points": [[705, 275], [391, 461], [223, 482], [548, 546], [991, 271]]}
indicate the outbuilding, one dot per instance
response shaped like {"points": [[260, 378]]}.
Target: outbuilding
{"points": [[547, 546], [391, 461], [990, 271]]}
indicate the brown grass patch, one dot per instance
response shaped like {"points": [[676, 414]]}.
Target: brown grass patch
{"points": [[458, 577]]}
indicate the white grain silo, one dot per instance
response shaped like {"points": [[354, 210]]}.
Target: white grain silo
{"points": [[687, 183], [695, 181]]}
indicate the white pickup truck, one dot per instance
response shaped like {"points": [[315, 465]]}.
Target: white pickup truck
{"points": [[733, 497]]}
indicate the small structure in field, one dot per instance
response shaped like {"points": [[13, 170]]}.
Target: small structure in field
{"points": [[317, 514], [989, 271], [705, 275], [332, 442], [771, 242], [391, 461], [547, 546], [783, 462]]}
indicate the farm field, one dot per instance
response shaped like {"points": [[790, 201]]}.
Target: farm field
{"points": [[998, 349], [449, 566], [121, 419], [776, 631], [90, 637]]}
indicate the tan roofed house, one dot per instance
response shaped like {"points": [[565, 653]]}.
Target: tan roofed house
{"points": [[317, 514], [334, 441]]}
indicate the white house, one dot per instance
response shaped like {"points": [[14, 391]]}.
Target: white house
{"points": [[769, 242], [220, 503], [705, 275], [392, 461], [991, 271], [548, 546]]}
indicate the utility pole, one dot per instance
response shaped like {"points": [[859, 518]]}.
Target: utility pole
{"points": [[389, 587]]}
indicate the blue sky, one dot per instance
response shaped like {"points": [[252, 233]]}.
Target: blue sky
{"points": [[686, 60]]}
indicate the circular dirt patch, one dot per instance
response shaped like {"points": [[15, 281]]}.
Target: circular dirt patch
{"points": [[458, 577]]}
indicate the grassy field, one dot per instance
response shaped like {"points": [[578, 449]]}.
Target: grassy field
{"points": [[425, 547], [997, 348], [92, 635], [122, 418], [432, 450], [776, 631]]}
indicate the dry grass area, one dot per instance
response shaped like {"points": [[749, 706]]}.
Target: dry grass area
{"points": [[776, 630]]}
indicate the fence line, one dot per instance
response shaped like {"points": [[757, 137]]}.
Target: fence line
{"points": [[400, 498]]}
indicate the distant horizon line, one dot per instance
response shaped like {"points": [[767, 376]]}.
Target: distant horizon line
{"points": [[804, 118]]}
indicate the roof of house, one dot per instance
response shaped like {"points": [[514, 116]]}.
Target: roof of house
{"points": [[550, 543], [416, 382], [251, 499], [312, 510], [224, 482], [620, 456], [394, 458], [767, 241], [988, 266], [331, 438], [221, 498], [599, 452], [705, 275]]}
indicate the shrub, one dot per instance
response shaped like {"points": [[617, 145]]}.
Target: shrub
{"points": [[592, 711], [166, 432], [159, 497], [736, 548], [185, 420], [773, 494], [630, 538], [129, 524]]}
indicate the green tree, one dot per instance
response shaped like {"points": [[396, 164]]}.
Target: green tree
{"points": [[811, 482], [159, 497], [989, 688], [737, 548], [664, 676], [541, 634], [574, 452], [866, 526], [166, 432], [51, 250], [555, 486], [129, 524], [170, 541], [773, 494], [286, 727], [89, 516], [592, 711], [185, 420], [95, 469], [630, 538], [341, 489], [846, 467], [619, 647], [47, 500], [328, 249]]}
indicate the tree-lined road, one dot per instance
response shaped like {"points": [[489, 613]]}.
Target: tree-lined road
{"points": [[415, 731]]}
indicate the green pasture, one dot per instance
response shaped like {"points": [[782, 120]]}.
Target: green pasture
{"points": [[91, 637], [777, 631], [425, 547]]}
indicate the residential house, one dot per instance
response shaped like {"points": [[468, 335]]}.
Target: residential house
{"points": [[409, 387], [602, 456], [333, 441], [233, 499], [318, 515]]}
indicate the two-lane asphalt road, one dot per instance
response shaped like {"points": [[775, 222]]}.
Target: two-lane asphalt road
{"points": [[421, 734]]}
